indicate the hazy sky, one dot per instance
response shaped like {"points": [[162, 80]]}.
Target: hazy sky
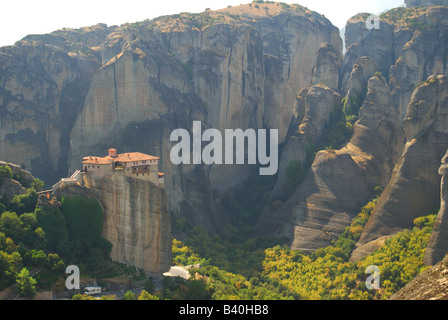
{"points": [[19, 18]]}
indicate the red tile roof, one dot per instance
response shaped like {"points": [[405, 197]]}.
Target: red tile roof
{"points": [[124, 157]]}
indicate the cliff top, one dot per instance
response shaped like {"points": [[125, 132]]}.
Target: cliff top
{"points": [[87, 40], [242, 13], [416, 17], [412, 17], [419, 3]]}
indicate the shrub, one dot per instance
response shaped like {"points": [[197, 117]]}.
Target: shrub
{"points": [[5, 172]]}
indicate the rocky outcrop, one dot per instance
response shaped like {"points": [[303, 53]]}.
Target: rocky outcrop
{"points": [[136, 220], [414, 187], [340, 181], [393, 146], [239, 67], [326, 68], [43, 82], [360, 41], [313, 110], [429, 285], [21, 180], [73, 93], [438, 243], [363, 69], [419, 3]]}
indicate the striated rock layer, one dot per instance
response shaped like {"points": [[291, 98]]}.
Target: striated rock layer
{"points": [[43, 83], [136, 220]]}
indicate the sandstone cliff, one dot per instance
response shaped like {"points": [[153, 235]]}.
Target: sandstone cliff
{"points": [[380, 71], [234, 68], [44, 80], [136, 220], [414, 187], [78, 92], [419, 3], [339, 180], [438, 243], [73, 93]]}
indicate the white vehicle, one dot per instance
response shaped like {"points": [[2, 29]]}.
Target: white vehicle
{"points": [[92, 290]]}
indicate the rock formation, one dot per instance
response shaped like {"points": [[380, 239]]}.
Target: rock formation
{"points": [[77, 92], [420, 3], [438, 243], [341, 181], [136, 220], [275, 66], [235, 68], [17, 185], [414, 187], [44, 80]]}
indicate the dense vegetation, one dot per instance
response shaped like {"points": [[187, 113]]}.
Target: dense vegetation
{"points": [[407, 17], [257, 269], [37, 242]]}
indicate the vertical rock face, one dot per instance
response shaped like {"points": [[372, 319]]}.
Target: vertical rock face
{"points": [[438, 244], [398, 140], [235, 68], [136, 220], [12, 187], [363, 69], [419, 3], [339, 181], [73, 93], [43, 83], [377, 44], [414, 187], [326, 68]]}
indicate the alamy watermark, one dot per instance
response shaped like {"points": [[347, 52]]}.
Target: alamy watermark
{"points": [[72, 281], [373, 281], [233, 150], [373, 22]]}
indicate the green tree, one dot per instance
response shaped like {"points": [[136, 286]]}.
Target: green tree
{"points": [[27, 285], [35, 258], [37, 185], [11, 225], [84, 218], [24, 202], [82, 297], [145, 295], [129, 296], [55, 264], [52, 222], [9, 264], [5, 173]]}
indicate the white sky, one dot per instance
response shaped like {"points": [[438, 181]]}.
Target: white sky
{"points": [[19, 18]]}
